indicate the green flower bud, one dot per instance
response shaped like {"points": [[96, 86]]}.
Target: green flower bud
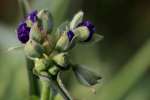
{"points": [[46, 20], [53, 70], [35, 33], [81, 33], [41, 64], [33, 49], [61, 59], [63, 43], [47, 46]]}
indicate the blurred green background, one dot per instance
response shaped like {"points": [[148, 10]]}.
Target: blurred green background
{"points": [[122, 58]]}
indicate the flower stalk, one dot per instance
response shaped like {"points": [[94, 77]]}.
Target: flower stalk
{"points": [[45, 88]]}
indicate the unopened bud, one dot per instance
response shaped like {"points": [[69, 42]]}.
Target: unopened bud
{"points": [[61, 59], [54, 70], [35, 33], [63, 43], [46, 20], [82, 33], [41, 64], [33, 49]]}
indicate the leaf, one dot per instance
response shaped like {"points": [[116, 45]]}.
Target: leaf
{"points": [[85, 76], [24, 6], [77, 19]]}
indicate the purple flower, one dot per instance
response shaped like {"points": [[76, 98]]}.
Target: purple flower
{"points": [[33, 16], [91, 28], [70, 35], [23, 32]]}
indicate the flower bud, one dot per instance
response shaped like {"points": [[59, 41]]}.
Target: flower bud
{"points": [[23, 32], [61, 59], [46, 20], [63, 43], [53, 70], [35, 33], [31, 18], [41, 64], [82, 33], [33, 49]]}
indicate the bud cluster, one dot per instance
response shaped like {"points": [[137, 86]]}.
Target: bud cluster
{"points": [[49, 50]]}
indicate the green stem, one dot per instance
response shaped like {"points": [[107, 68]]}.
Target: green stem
{"points": [[33, 81], [45, 88]]}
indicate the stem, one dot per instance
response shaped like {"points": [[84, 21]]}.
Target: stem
{"points": [[61, 90], [45, 91], [33, 81]]}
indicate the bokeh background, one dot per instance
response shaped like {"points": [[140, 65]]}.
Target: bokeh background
{"points": [[122, 58]]}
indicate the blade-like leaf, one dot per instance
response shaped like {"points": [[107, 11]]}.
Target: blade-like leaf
{"points": [[24, 6], [85, 76]]}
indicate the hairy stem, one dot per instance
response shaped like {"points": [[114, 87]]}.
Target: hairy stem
{"points": [[45, 88]]}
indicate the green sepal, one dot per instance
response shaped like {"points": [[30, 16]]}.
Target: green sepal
{"points": [[95, 39], [33, 49], [61, 29], [35, 32], [77, 19], [41, 64], [85, 76], [61, 59], [46, 20], [63, 44]]}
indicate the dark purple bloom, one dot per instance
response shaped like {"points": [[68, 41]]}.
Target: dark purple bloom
{"points": [[23, 32], [70, 35], [91, 28], [33, 16]]}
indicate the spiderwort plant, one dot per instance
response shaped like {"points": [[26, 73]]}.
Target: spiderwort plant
{"points": [[49, 50]]}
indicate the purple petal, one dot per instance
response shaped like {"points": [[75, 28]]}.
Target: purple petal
{"points": [[33, 16], [23, 32], [70, 35]]}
